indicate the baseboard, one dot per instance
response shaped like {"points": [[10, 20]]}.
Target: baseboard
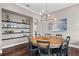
{"points": [[74, 46]]}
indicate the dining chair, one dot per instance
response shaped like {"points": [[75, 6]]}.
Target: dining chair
{"points": [[68, 38], [37, 35], [47, 34], [58, 35], [33, 49], [65, 45], [57, 51], [43, 48], [63, 49]]}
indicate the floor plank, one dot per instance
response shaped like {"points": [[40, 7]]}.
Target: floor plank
{"points": [[22, 50], [18, 50], [73, 51]]}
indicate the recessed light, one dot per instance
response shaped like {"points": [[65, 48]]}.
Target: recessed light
{"points": [[42, 10], [55, 19], [49, 15], [40, 13], [27, 5]]}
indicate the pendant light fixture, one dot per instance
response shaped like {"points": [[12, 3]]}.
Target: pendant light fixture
{"points": [[44, 14]]}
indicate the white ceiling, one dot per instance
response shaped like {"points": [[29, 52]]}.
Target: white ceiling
{"points": [[41, 7]]}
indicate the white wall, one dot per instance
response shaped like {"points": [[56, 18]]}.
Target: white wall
{"points": [[17, 9], [72, 15]]}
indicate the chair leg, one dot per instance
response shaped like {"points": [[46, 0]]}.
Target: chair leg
{"points": [[60, 53], [57, 54], [67, 52], [31, 53], [49, 52]]}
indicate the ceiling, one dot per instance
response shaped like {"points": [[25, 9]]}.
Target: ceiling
{"points": [[41, 7]]}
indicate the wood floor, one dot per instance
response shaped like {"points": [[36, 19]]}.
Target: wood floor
{"points": [[19, 50], [0, 54], [73, 51], [22, 50]]}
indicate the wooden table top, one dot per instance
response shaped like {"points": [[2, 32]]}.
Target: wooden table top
{"points": [[54, 41]]}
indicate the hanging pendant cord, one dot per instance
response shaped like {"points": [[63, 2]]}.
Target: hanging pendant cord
{"points": [[46, 11]]}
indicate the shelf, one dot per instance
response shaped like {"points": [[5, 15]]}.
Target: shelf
{"points": [[15, 22], [15, 28], [15, 37], [16, 33]]}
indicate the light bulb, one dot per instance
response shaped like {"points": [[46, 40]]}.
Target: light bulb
{"points": [[42, 10], [40, 13], [49, 15], [55, 18]]}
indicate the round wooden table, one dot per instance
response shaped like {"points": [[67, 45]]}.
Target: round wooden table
{"points": [[55, 42]]}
